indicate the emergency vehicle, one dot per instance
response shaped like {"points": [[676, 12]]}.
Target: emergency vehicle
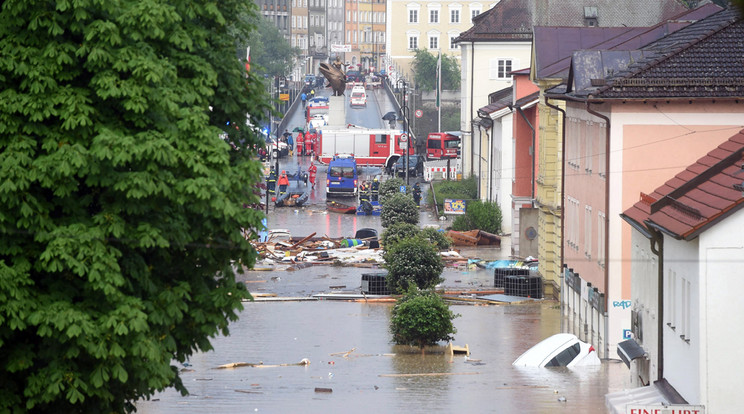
{"points": [[378, 147], [440, 145]]}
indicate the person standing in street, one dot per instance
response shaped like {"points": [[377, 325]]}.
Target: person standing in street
{"points": [[271, 181], [417, 194], [300, 143], [303, 97], [308, 143], [312, 171], [283, 182], [375, 189], [290, 144]]}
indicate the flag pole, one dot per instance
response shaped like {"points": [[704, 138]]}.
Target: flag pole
{"points": [[439, 93]]}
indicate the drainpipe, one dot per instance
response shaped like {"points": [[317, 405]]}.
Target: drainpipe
{"points": [[532, 149], [657, 248], [472, 89], [486, 117], [563, 187], [607, 213]]}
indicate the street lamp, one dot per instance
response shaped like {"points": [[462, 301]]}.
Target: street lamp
{"points": [[404, 109]]}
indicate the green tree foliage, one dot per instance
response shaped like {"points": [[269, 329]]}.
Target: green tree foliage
{"points": [[421, 318], [412, 262], [390, 187], [270, 52], [436, 238], [124, 169], [399, 208], [425, 71], [481, 215], [397, 232]]}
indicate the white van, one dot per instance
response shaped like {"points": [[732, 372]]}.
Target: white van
{"points": [[358, 97]]}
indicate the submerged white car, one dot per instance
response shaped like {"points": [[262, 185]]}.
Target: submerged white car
{"points": [[559, 350]]}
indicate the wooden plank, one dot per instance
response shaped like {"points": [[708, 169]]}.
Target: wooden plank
{"points": [[304, 239]]}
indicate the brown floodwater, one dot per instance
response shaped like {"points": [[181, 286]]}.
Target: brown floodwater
{"points": [[377, 376]]}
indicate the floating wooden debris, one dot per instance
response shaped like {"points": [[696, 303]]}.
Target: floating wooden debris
{"points": [[458, 350], [318, 389], [474, 238], [302, 362]]}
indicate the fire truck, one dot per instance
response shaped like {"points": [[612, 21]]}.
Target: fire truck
{"points": [[378, 147]]}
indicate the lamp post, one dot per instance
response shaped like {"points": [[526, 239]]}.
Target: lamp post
{"points": [[404, 109]]}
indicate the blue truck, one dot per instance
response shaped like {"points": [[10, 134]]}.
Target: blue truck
{"points": [[342, 177]]}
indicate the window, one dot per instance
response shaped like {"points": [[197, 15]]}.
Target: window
{"points": [[474, 13], [381, 139], [452, 44], [602, 150], [572, 222], [588, 231], [454, 16], [413, 42], [500, 68], [412, 16], [588, 153], [433, 42], [433, 16], [601, 238]]}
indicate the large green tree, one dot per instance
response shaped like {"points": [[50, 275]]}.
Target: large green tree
{"points": [[125, 166], [425, 71], [271, 53]]}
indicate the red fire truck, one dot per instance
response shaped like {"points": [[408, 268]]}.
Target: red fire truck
{"points": [[377, 147], [441, 145]]}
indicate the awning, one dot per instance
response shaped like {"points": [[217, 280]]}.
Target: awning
{"points": [[629, 350], [660, 392], [617, 401]]}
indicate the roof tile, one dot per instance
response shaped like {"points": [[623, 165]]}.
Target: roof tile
{"points": [[690, 202]]}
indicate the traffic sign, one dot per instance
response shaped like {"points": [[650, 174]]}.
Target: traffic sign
{"points": [[419, 113], [403, 137]]}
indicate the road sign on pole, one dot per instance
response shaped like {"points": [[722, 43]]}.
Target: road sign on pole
{"points": [[419, 113]]}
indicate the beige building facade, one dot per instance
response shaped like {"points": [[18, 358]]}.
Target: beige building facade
{"points": [[431, 25]]}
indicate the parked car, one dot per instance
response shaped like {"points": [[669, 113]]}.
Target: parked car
{"points": [[559, 350], [415, 166]]}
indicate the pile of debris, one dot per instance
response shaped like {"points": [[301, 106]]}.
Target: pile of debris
{"points": [[318, 250]]}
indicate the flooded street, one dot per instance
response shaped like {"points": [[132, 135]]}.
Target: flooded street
{"points": [[350, 353], [378, 376], [353, 365]]}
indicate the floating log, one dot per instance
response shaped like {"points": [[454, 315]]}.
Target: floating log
{"points": [[318, 389], [303, 362]]}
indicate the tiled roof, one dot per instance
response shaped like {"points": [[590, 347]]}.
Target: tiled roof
{"points": [[698, 197], [508, 20], [498, 100], [554, 46], [513, 20], [704, 59]]}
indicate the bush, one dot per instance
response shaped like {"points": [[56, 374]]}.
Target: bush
{"points": [[464, 189], [390, 187], [399, 208], [397, 232], [481, 215], [436, 238], [421, 318], [412, 262]]}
